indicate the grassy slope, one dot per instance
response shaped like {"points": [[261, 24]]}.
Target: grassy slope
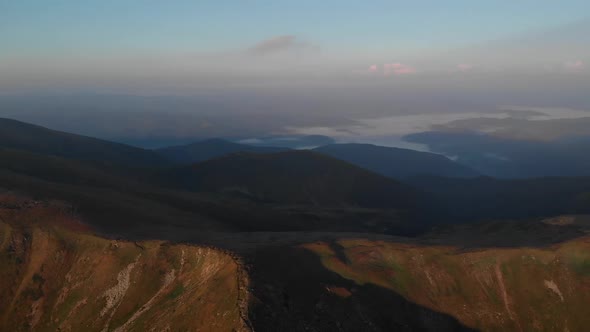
{"points": [[55, 274], [489, 289], [54, 277]]}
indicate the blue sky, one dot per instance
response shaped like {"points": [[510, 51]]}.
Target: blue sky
{"points": [[273, 65], [111, 26], [184, 47]]}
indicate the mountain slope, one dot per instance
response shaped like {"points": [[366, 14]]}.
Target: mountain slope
{"points": [[486, 198], [209, 149], [511, 158], [489, 289], [56, 276], [293, 177], [395, 162], [23, 136], [121, 204]]}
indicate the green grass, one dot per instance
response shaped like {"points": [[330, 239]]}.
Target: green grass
{"points": [[581, 265], [68, 304], [176, 292]]}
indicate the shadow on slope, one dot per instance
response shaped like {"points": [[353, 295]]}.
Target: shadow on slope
{"points": [[484, 198], [537, 233], [293, 291], [135, 211]]}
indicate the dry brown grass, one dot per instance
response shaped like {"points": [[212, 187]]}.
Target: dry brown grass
{"points": [[492, 289], [55, 275]]}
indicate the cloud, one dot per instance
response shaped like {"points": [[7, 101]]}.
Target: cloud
{"points": [[392, 69], [279, 44], [576, 65], [465, 67], [398, 69]]}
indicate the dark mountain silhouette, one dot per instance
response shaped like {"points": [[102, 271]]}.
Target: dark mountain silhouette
{"points": [[291, 142], [121, 202], [486, 198], [294, 177], [209, 149], [291, 190], [511, 158], [23, 136], [396, 162]]}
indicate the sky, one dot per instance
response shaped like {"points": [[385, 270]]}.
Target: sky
{"points": [[330, 61], [119, 27]]}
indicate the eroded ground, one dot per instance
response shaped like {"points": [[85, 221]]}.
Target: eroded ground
{"points": [[55, 277]]}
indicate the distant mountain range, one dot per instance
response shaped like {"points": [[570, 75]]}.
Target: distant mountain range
{"points": [[294, 177], [291, 142], [209, 149], [395, 162], [23, 136], [117, 193], [391, 162], [511, 158], [349, 187]]}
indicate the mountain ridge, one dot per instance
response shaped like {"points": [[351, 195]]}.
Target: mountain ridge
{"points": [[209, 149], [396, 163], [297, 176], [24, 136]]}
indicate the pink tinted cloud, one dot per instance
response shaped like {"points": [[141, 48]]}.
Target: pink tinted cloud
{"points": [[398, 69], [576, 65], [464, 67], [373, 68]]}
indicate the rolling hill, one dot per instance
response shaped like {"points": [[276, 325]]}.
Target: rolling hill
{"points": [[23, 136], [119, 203], [395, 162], [293, 177], [209, 149]]}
